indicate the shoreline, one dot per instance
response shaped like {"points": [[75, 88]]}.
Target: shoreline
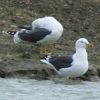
{"points": [[27, 68]]}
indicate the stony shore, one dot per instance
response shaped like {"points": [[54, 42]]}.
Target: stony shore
{"points": [[80, 18]]}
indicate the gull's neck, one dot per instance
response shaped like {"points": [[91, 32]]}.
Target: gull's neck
{"points": [[81, 53]]}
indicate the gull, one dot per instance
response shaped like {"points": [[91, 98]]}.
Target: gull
{"points": [[70, 65], [45, 30]]}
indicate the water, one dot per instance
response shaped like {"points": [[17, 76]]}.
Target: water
{"points": [[25, 89]]}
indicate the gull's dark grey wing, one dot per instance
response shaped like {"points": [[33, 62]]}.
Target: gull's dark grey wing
{"points": [[61, 61], [33, 36]]}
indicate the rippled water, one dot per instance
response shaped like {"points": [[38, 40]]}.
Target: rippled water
{"points": [[24, 89]]}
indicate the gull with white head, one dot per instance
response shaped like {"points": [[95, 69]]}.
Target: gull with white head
{"points": [[45, 30], [71, 66]]}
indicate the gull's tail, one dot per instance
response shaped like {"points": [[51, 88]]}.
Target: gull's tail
{"points": [[9, 32], [45, 60]]}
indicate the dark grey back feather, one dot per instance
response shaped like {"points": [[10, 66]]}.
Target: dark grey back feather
{"points": [[61, 61], [33, 36]]}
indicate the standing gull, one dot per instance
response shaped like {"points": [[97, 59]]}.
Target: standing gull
{"points": [[71, 66], [43, 30]]}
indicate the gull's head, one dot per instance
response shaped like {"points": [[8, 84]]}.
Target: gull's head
{"points": [[82, 43]]}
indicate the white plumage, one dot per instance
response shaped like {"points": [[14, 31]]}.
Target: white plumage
{"points": [[70, 66], [46, 30], [50, 24]]}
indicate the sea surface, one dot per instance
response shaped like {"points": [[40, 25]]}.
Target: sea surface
{"points": [[29, 89]]}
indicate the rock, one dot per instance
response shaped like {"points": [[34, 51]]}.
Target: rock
{"points": [[2, 74], [91, 75]]}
